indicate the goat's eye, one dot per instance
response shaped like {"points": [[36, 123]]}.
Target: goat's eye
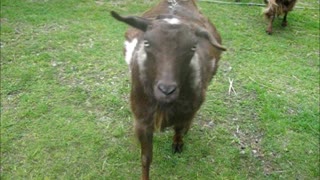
{"points": [[194, 48], [146, 43]]}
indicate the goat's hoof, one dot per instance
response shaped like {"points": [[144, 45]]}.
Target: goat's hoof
{"points": [[177, 147], [284, 24], [268, 32]]}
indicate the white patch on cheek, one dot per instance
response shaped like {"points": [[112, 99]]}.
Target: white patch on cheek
{"points": [[213, 61], [195, 64], [141, 59], [130, 46], [172, 20]]}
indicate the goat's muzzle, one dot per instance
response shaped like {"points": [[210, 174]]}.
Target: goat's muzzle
{"points": [[166, 92]]}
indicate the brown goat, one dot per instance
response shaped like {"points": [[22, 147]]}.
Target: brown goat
{"points": [[276, 8], [173, 53]]}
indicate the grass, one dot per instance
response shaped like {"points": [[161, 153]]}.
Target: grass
{"points": [[65, 86]]}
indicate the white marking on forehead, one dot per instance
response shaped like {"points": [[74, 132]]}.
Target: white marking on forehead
{"points": [[172, 20], [195, 64], [172, 3], [130, 46]]}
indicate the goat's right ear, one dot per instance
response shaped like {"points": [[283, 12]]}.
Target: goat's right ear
{"points": [[134, 21], [200, 32]]}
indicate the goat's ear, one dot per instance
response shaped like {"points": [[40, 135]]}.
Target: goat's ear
{"points": [[200, 32], [134, 21]]}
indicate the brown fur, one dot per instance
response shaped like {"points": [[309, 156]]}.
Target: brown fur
{"points": [[170, 63], [276, 8]]}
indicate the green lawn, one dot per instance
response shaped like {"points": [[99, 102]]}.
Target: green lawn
{"points": [[65, 88]]}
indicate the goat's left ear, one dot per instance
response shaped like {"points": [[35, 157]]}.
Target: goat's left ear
{"points": [[200, 32], [134, 21]]}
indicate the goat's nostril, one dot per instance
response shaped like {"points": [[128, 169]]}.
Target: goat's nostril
{"points": [[167, 89]]}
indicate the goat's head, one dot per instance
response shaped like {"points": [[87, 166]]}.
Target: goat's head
{"points": [[166, 54]]}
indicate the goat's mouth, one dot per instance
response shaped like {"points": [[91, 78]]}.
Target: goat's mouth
{"points": [[166, 100]]}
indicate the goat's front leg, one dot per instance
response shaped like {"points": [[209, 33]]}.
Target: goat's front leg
{"points": [[284, 21], [269, 27], [177, 143], [145, 136], [179, 132]]}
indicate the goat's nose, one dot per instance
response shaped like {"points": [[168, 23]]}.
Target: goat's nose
{"points": [[167, 89]]}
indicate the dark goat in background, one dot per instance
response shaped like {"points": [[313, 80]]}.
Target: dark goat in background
{"points": [[276, 8]]}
